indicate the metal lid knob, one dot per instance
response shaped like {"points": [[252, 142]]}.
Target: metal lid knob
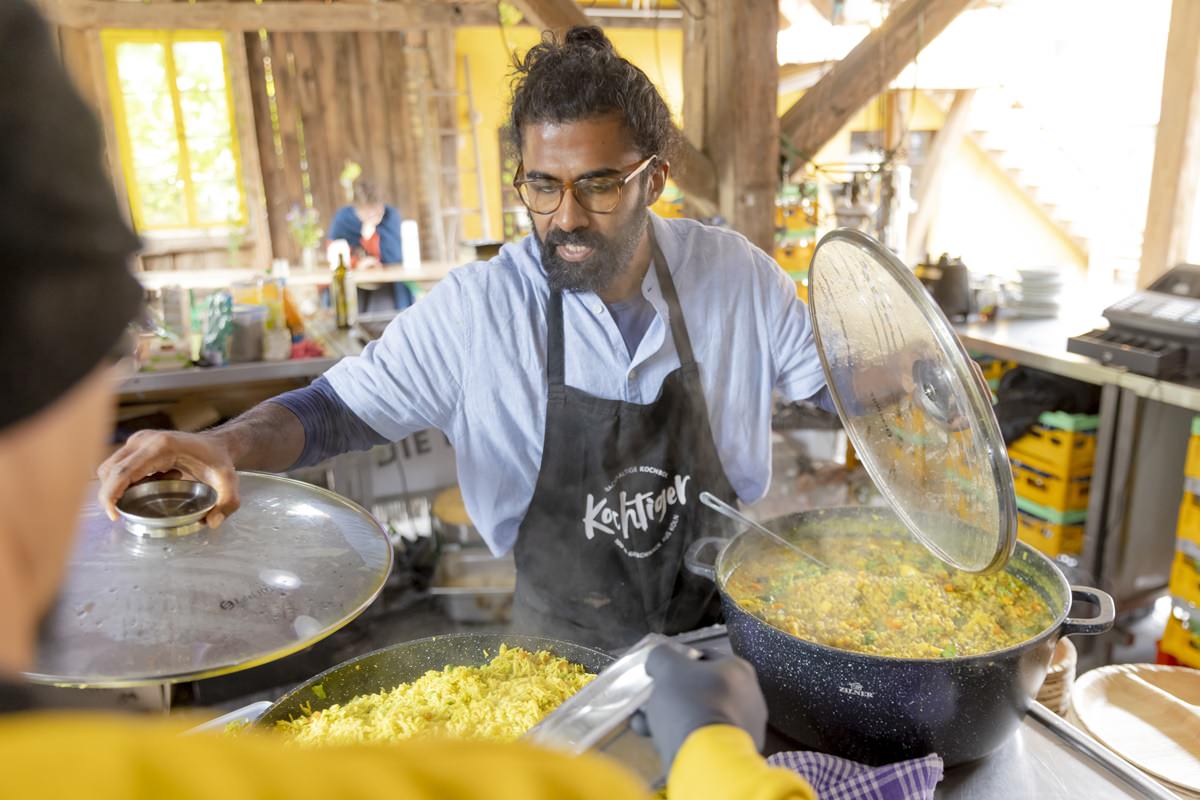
{"points": [[166, 508]]}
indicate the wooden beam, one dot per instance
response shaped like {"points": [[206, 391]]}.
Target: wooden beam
{"points": [[252, 174], [1176, 175], [929, 180], [731, 85], [866, 71], [299, 16], [554, 15]]}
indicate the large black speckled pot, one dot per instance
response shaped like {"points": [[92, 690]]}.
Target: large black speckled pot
{"points": [[878, 710]]}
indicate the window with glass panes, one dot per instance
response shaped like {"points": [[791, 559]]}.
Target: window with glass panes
{"points": [[173, 111]]}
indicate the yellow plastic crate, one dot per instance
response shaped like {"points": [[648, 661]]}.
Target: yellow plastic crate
{"points": [[1051, 538], [1185, 578], [1182, 643], [1071, 453], [994, 369], [1040, 485], [1192, 466], [1188, 526]]}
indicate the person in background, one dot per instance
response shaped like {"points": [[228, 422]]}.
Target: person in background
{"points": [[62, 325], [372, 229]]}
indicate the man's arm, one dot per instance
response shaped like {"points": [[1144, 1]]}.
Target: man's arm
{"points": [[330, 426], [268, 437], [798, 372], [408, 380], [296, 429]]}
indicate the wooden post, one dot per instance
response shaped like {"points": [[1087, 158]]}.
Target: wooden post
{"points": [[1176, 176], [554, 15], [731, 86], [401, 130], [866, 71], [945, 141], [252, 175]]}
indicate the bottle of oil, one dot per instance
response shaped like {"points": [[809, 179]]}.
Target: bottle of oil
{"points": [[337, 294]]}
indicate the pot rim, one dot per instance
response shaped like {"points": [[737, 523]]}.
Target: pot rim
{"points": [[1054, 629]]}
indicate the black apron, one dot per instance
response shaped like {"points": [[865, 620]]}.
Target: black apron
{"points": [[600, 552]]}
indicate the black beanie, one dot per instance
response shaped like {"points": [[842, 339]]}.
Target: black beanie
{"points": [[66, 294]]}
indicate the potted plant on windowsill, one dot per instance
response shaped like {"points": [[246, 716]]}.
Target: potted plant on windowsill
{"points": [[304, 225]]}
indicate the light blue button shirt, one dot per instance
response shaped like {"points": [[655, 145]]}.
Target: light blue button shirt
{"points": [[470, 360]]}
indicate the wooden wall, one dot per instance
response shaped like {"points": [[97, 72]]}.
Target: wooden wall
{"points": [[384, 100], [339, 97]]}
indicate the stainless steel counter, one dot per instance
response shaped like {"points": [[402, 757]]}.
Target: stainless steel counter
{"points": [[1037, 762], [1046, 759], [1137, 479], [1042, 343]]}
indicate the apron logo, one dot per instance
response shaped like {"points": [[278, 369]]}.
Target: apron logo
{"points": [[636, 512]]}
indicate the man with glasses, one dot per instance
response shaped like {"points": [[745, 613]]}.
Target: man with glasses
{"points": [[594, 378]]}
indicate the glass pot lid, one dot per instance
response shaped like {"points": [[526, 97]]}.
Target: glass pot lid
{"points": [[912, 405], [294, 564]]}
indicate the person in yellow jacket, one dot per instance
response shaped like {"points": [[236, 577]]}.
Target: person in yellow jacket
{"points": [[69, 298]]}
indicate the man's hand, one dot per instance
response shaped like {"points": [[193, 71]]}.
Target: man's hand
{"points": [[719, 689], [201, 457]]}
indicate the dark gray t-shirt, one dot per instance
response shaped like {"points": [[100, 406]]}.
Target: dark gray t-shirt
{"points": [[633, 318]]}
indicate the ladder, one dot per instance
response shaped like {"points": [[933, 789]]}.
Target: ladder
{"points": [[439, 169]]}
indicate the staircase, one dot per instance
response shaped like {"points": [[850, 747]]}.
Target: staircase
{"points": [[1072, 194]]}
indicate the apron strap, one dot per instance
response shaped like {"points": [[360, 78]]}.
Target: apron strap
{"points": [[683, 342], [555, 366]]}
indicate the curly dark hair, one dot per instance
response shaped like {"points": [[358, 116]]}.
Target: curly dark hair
{"points": [[582, 77]]}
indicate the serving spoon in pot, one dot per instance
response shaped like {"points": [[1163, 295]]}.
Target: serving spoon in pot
{"points": [[726, 510]]}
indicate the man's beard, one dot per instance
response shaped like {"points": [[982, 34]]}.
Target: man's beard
{"points": [[610, 255]]}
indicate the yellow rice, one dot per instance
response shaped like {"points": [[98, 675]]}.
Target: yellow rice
{"points": [[496, 702]]}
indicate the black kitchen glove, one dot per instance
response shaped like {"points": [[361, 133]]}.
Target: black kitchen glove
{"points": [[718, 689]]}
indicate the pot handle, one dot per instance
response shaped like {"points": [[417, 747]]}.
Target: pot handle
{"points": [[1097, 624], [697, 566]]}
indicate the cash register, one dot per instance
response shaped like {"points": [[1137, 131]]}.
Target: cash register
{"points": [[1154, 332]]}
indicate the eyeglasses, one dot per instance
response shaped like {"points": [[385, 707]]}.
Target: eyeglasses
{"points": [[599, 195]]}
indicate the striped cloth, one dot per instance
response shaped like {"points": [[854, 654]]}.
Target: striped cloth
{"points": [[837, 779]]}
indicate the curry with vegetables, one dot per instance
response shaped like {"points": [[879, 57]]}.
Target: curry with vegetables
{"points": [[888, 596]]}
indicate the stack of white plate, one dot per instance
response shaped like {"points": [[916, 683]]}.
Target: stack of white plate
{"points": [[1038, 292], [1055, 693], [1147, 714]]}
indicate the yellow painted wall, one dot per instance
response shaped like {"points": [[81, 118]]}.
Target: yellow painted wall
{"points": [[659, 53]]}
